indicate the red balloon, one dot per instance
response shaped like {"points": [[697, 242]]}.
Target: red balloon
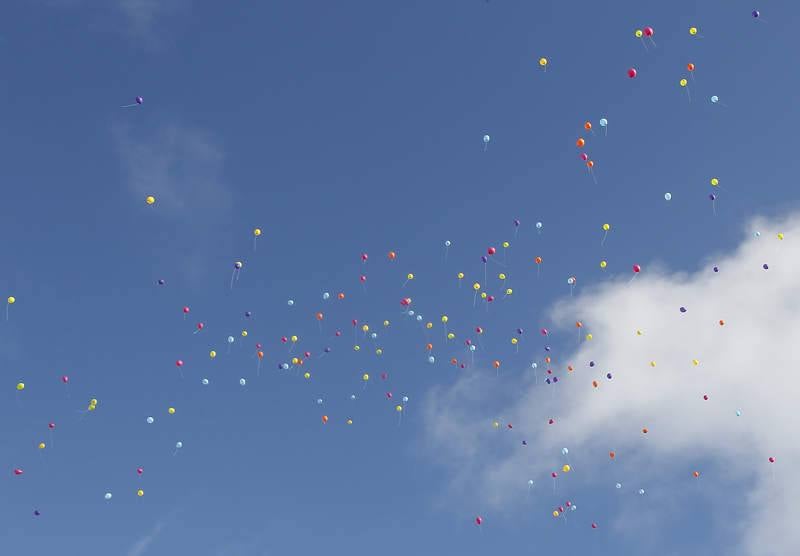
{"points": [[648, 31], [200, 325], [772, 460], [364, 257], [632, 73], [594, 525], [478, 520], [491, 250], [637, 269], [18, 471], [185, 310]]}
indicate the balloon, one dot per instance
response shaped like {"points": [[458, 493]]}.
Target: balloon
{"points": [[365, 377], [41, 445], [204, 382], [603, 122], [603, 264], [326, 295], [606, 227], [242, 382], [478, 520], [140, 493], [756, 13], [257, 232], [641, 491], [543, 62], [667, 196], [638, 33], [637, 269], [648, 32], [108, 496], [179, 445], [11, 300], [683, 82], [171, 411], [20, 386], [693, 31], [566, 469], [486, 139], [150, 200], [392, 255], [690, 66], [150, 420], [714, 182], [587, 126], [539, 225], [580, 142], [238, 265], [290, 302], [324, 419], [714, 99], [632, 72], [179, 363]]}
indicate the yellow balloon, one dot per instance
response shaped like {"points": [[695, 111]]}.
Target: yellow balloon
{"points": [[514, 341], [398, 408], [428, 325], [140, 492], [409, 276], [566, 469], [171, 411], [444, 319], [295, 361], [244, 333], [349, 421], [460, 275], [509, 291], [543, 62], [683, 82], [150, 200], [589, 336], [652, 363], [379, 351], [501, 276], [638, 332], [212, 354], [606, 227], [386, 323], [365, 328], [41, 445], [555, 513], [93, 401], [294, 338], [714, 182], [92, 407], [483, 295], [496, 424], [692, 31], [356, 348], [257, 232], [695, 362], [307, 376], [450, 335], [603, 264], [638, 33], [476, 286], [506, 245], [11, 300], [780, 236], [20, 386], [365, 377]]}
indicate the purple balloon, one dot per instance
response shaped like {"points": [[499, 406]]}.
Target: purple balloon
{"points": [[756, 13], [591, 363], [716, 269], [139, 100], [683, 309], [161, 282], [765, 266], [516, 223], [484, 259], [712, 197]]}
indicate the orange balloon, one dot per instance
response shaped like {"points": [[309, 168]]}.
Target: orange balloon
{"points": [[454, 361], [569, 368], [587, 125], [690, 67], [594, 383], [612, 455], [261, 355], [644, 430], [547, 359], [538, 260], [722, 323], [496, 364], [580, 142], [324, 419], [341, 295], [696, 474], [578, 324], [392, 255], [429, 347], [319, 316], [590, 163]]}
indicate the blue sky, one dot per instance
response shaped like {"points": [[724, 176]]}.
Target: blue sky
{"points": [[343, 128]]}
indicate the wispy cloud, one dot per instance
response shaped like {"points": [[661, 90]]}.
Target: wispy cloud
{"points": [[747, 365], [139, 548], [180, 166], [140, 17]]}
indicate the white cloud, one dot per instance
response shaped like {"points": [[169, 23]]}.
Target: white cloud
{"points": [[181, 167], [140, 16], [140, 546], [748, 364]]}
